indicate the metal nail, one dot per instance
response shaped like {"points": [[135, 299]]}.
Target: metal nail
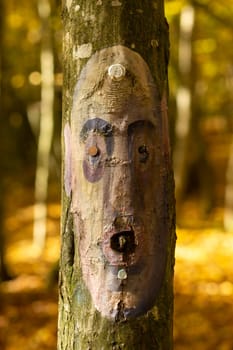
{"points": [[93, 151], [116, 71], [122, 274]]}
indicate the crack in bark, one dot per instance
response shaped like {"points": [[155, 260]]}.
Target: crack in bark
{"points": [[120, 316], [68, 252]]}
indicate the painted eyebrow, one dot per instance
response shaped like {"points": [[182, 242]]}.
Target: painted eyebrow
{"points": [[139, 124], [96, 124]]}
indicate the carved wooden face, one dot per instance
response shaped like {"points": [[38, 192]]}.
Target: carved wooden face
{"points": [[118, 184]]}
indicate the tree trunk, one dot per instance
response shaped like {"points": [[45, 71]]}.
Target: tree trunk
{"points": [[228, 210], [4, 275], [118, 234], [46, 127], [184, 102]]}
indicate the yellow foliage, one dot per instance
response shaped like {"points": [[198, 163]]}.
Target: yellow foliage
{"points": [[203, 290]]}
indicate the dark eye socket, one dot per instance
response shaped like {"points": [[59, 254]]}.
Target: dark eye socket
{"points": [[143, 153]]}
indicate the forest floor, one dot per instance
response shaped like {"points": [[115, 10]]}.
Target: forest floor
{"points": [[203, 317]]}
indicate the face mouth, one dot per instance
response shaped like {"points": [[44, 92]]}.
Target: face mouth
{"points": [[121, 247], [123, 242]]}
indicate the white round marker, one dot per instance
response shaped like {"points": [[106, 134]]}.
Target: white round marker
{"points": [[122, 274], [116, 71]]}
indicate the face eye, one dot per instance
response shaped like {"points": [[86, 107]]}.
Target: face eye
{"points": [[94, 157], [143, 153]]}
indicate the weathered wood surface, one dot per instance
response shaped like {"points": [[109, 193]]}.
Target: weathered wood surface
{"points": [[118, 207]]}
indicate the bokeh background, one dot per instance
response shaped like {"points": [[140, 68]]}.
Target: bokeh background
{"points": [[201, 127]]}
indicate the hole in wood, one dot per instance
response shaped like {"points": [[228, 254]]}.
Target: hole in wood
{"points": [[144, 154], [123, 242]]}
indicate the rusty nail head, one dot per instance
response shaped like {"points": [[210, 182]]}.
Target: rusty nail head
{"points": [[93, 151]]}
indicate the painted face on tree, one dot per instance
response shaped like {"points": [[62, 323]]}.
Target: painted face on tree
{"points": [[116, 175]]}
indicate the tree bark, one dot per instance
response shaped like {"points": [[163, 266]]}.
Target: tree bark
{"points": [[118, 191]]}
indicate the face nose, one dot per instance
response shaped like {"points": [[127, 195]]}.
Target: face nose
{"points": [[120, 188]]}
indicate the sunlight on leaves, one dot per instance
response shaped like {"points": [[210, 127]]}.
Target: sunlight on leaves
{"points": [[203, 289]]}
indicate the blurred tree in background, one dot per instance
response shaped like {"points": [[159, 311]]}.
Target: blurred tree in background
{"points": [[201, 77], [21, 84], [22, 39]]}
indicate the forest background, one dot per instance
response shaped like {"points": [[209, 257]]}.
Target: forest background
{"points": [[201, 128]]}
